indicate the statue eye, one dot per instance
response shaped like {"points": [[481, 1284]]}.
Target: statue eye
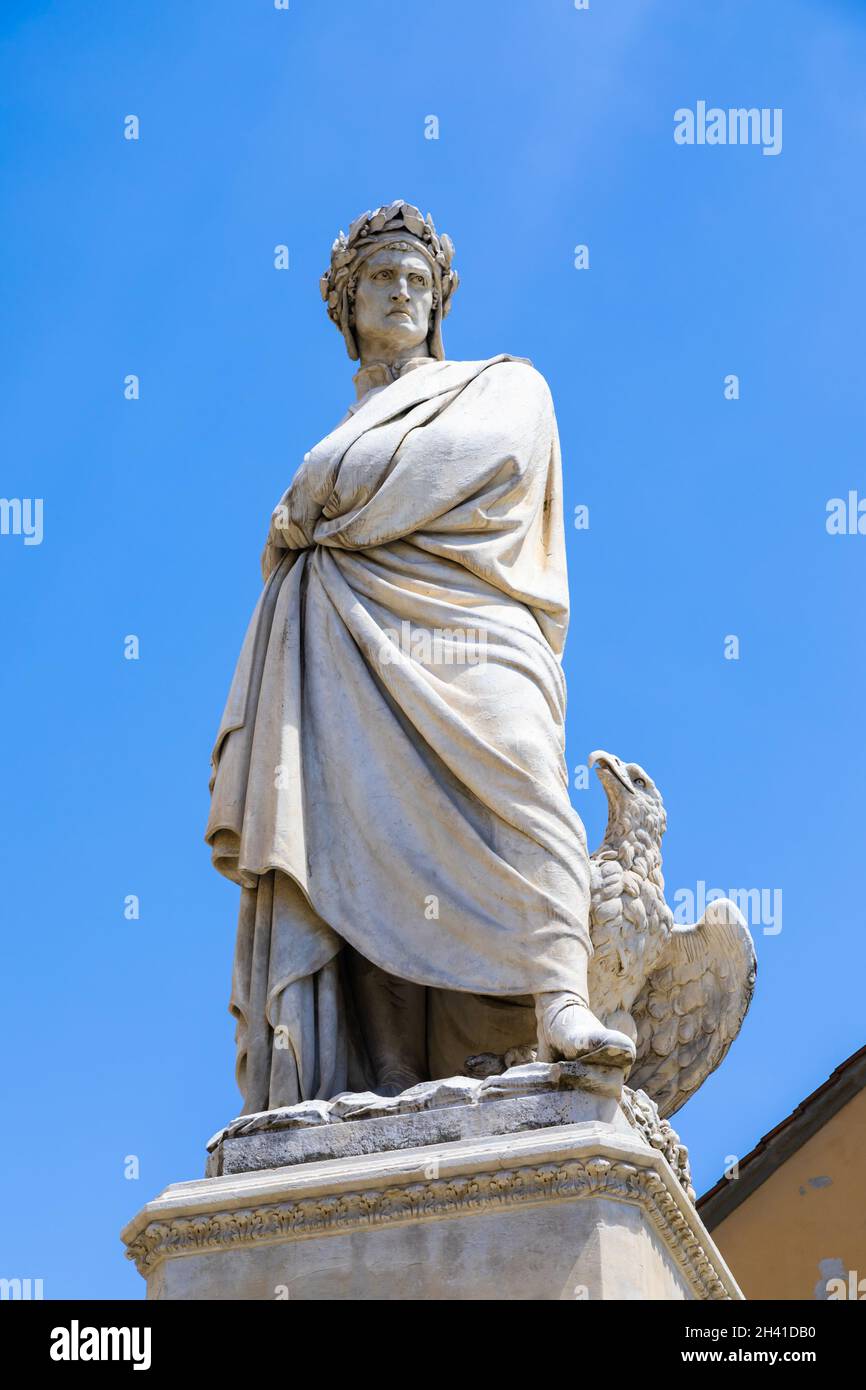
{"points": [[639, 782]]}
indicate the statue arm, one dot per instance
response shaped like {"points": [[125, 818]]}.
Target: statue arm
{"points": [[474, 466], [293, 520]]}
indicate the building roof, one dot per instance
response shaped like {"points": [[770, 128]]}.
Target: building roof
{"points": [[778, 1146]]}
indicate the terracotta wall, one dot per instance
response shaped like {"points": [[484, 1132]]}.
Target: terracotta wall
{"points": [[807, 1222]]}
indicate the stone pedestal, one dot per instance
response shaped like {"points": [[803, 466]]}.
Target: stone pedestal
{"points": [[543, 1183]]}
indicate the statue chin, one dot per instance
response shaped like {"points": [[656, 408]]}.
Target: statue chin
{"points": [[392, 344]]}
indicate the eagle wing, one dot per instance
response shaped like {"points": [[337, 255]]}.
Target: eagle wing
{"points": [[692, 1005]]}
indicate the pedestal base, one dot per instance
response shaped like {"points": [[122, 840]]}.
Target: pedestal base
{"points": [[586, 1208]]}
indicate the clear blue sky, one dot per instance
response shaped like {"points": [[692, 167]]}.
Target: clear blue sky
{"points": [[707, 516]]}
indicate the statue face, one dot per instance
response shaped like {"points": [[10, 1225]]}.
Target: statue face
{"points": [[393, 302]]}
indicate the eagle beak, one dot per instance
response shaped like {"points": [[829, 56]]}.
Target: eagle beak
{"points": [[608, 762]]}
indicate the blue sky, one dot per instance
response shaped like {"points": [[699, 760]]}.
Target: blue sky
{"points": [[707, 515]]}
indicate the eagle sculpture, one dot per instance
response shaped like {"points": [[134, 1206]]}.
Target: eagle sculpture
{"points": [[680, 992]]}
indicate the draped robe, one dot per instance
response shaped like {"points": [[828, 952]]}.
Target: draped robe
{"points": [[389, 774]]}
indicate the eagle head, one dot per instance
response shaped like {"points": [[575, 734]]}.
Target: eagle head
{"points": [[633, 799]]}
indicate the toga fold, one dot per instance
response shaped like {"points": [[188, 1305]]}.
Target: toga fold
{"points": [[389, 773]]}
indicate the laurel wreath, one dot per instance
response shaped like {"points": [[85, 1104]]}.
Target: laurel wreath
{"points": [[338, 282]]}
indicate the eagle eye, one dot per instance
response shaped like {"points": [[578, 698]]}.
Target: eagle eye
{"points": [[638, 782]]}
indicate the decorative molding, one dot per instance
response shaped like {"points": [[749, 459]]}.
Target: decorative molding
{"points": [[643, 1114], [456, 1195]]}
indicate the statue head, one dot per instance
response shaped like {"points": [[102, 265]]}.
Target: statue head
{"points": [[389, 284], [634, 802]]}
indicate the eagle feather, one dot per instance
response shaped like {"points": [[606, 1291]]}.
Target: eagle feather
{"points": [[681, 992]]}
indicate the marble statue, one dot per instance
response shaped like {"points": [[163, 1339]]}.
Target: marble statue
{"points": [[389, 786], [438, 993], [680, 992]]}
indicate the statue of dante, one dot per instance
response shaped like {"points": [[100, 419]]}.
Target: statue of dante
{"points": [[389, 782]]}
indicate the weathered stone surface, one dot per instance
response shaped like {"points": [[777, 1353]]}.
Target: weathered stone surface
{"points": [[582, 1210], [429, 1095], [534, 1096]]}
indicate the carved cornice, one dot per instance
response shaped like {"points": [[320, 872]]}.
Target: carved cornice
{"points": [[435, 1198]]}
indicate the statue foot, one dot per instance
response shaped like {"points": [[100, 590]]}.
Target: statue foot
{"points": [[568, 1031]]}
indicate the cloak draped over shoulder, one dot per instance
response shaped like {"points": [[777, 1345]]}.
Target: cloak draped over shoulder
{"points": [[393, 742]]}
